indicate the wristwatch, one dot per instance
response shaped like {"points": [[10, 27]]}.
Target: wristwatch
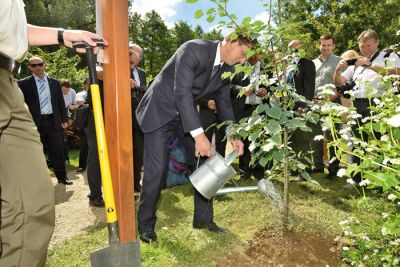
{"points": [[60, 36]]}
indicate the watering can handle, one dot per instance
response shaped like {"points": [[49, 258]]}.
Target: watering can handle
{"points": [[231, 157]]}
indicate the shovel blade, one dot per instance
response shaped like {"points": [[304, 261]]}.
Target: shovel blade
{"points": [[117, 255]]}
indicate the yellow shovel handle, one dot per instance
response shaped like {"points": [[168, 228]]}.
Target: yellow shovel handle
{"points": [[106, 181]]}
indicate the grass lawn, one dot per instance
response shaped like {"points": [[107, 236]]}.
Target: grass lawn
{"points": [[313, 209]]}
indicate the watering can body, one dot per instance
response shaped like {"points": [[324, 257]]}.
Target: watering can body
{"points": [[213, 174]]}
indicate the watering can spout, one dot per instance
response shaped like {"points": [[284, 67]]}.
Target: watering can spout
{"points": [[231, 157]]}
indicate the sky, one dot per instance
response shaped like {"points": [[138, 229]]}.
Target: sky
{"points": [[172, 11]]}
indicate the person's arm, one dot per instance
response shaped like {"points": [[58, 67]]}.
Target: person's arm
{"points": [[338, 78], [38, 36]]}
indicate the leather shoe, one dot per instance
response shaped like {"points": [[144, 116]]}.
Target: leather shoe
{"points": [[96, 202], [65, 181], [148, 237], [210, 226], [80, 170]]}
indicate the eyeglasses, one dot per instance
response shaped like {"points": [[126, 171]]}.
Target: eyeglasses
{"points": [[37, 64]]}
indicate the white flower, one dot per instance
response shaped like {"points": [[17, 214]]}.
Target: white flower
{"points": [[394, 121], [344, 222], [369, 149], [318, 137], [376, 101], [350, 181], [351, 123], [385, 138], [366, 257], [365, 182], [392, 197], [345, 248], [341, 172]]}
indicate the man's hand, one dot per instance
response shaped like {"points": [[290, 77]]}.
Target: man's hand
{"points": [[342, 65], [133, 83], [202, 145], [78, 35], [211, 105], [237, 145], [64, 125]]}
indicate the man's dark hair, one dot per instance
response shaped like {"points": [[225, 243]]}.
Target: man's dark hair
{"points": [[65, 83], [327, 37]]}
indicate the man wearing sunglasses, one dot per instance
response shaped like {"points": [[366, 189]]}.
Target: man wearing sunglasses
{"points": [[45, 100], [27, 194]]}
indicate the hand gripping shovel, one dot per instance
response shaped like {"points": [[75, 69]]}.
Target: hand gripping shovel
{"points": [[117, 254]]}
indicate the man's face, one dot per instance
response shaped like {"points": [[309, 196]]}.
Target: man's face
{"points": [[65, 90], [326, 47], [236, 53], [135, 56], [36, 66], [368, 46]]}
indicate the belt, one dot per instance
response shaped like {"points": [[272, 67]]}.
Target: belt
{"points": [[46, 116], [10, 65]]}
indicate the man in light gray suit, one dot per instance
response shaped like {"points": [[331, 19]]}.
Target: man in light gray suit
{"points": [[168, 109]]}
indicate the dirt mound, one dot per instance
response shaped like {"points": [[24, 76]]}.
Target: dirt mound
{"points": [[273, 247]]}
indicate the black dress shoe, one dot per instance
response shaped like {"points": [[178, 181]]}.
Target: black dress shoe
{"points": [[210, 226], [79, 170], [148, 237], [96, 202], [65, 181]]}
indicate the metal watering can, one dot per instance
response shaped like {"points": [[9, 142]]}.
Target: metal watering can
{"points": [[213, 174]]}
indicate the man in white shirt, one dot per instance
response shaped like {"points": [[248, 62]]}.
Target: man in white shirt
{"points": [[367, 74], [69, 95]]}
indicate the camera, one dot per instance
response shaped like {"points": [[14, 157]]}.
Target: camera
{"points": [[351, 62], [346, 87]]}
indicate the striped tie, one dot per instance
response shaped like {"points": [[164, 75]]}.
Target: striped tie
{"points": [[43, 97]]}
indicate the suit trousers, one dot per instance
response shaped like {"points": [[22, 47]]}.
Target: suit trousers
{"points": [[93, 164], [27, 194], [83, 149], [53, 139], [138, 147], [155, 171]]}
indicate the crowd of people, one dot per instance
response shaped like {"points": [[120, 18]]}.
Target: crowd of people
{"points": [[181, 103]]}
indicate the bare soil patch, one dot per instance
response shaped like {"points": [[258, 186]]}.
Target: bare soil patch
{"points": [[273, 247]]}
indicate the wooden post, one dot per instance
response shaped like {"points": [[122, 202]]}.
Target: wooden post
{"points": [[113, 19]]}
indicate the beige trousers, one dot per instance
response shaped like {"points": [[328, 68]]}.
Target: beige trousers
{"points": [[26, 192]]}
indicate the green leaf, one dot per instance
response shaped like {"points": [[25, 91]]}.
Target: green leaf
{"points": [[263, 161], [234, 36], [276, 139], [246, 20], [191, 1], [274, 112], [210, 18], [386, 180], [211, 11], [198, 14], [279, 155], [273, 127], [295, 123]]}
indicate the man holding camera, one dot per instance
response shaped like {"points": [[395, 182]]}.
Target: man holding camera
{"points": [[364, 75]]}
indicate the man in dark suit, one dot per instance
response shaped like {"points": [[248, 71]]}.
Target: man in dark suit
{"points": [[138, 86], [304, 83], [168, 108], [45, 100]]}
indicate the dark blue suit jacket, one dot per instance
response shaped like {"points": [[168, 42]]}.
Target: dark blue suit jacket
{"points": [[29, 89], [184, 79]]}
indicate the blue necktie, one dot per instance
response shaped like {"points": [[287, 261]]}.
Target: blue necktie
{"points": [[43, 97]]}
